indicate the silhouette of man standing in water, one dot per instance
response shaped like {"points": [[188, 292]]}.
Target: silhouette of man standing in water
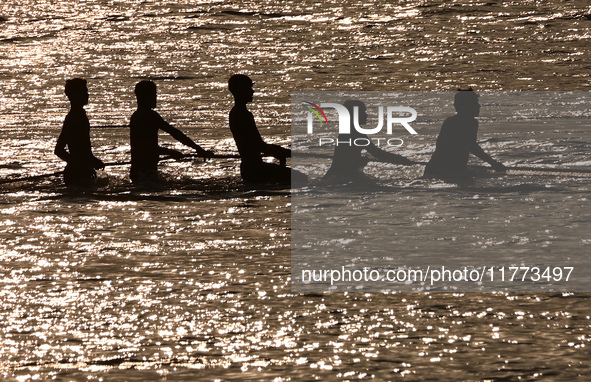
{"points": [[75, 136], [457, 139], [348, 163], [144, 126], [250, 144]]}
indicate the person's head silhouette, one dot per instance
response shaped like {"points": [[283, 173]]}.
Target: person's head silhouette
{"points": [[356, 106], [240, 86], [77, 92], [145, 92], [466, 103]]}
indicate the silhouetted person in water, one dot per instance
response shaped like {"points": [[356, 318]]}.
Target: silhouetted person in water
{"points": [[75, 136], [250, 143], [144, 126], [348, 161], [457, 140]]}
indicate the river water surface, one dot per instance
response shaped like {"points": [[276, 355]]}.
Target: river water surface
{"points": [[192, 281]]}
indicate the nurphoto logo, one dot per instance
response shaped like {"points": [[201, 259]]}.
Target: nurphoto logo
{"points": [[345, 118], [395, 115]]}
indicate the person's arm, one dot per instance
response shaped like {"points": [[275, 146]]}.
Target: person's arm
{"points": [[276, 151], [62, 142], [60, 148], [384, 156], [482, 155], [184, 139], [97, 164], [244, 128], [270, 149], [175, 154]]}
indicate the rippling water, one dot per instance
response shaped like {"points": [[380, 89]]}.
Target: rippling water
{"points": [[194, 280]]}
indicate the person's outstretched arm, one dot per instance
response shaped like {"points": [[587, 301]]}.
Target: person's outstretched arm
{"points": [[175, 154], [246, 134], [184, 139], [384, 156], [256, 140], [482, 155], [97, 164], [275, 151]]}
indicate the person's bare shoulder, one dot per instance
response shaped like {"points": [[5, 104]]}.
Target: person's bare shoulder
{"points": [[146, 117]]}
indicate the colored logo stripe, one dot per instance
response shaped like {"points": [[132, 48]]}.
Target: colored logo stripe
{"points": [[316, 112]]}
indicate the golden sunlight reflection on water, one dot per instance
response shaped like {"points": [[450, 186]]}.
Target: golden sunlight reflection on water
{"points": [[194, 281]]}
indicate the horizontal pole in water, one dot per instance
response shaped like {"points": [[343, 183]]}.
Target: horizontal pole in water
{"points": [[112, 164], [525, 169], [31, 178], [521, 170], [110, 126], [214, 156], [548, 169], [188, 156]]}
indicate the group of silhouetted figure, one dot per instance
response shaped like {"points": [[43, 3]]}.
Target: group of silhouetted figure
{"points": [[457, 139]]}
